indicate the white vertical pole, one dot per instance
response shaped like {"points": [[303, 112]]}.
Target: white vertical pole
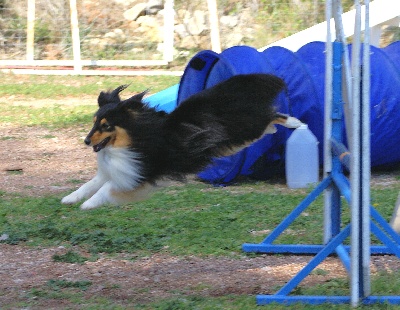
{"points": [[30, 30], [355, 279], [328, 123], [214, 25], [366, 158], [169, 30], [76, 41]]}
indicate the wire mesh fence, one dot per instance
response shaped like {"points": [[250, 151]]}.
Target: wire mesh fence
{"points": [[134, 30]]}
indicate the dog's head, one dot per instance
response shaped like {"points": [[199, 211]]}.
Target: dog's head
{"points": [[113, 113]]}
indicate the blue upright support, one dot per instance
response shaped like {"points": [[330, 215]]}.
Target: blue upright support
{"points": [[340, 187]]}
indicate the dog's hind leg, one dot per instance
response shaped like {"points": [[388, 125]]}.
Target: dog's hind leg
{"points": [[287, 120], [86, 190], [108, 195], [284, 120]]}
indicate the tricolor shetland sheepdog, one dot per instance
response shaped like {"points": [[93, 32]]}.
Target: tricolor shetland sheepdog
{"points": [[138, 146]]}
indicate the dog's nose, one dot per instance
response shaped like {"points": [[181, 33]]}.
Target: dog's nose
{"points": [[87, 141]]}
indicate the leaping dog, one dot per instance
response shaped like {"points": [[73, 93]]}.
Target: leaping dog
{"points": [[137, 146]]}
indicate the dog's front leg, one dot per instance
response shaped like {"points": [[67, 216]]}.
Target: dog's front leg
{"points": [[101, 197], [86, 190], [109, 195]]}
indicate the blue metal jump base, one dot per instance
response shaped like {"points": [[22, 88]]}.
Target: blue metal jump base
{"points": [[364, 221], [381, 229]]}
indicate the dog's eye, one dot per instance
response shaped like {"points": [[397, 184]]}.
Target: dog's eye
{"points": [[106, 127]]}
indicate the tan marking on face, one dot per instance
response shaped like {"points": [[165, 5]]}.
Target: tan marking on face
{"points": [[121, 138], [98, 136]]}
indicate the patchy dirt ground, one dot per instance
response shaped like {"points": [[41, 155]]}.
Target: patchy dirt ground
{"points": [[43, 161]]}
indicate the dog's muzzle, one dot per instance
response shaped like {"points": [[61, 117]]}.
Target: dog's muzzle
{"points": [[99, 146]]}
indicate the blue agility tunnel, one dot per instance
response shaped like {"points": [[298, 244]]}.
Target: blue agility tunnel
{"points": [[304, 74]]}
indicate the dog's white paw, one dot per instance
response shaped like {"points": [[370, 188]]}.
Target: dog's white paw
{"points": [[95, 201], [87, 205], [71, 199]]}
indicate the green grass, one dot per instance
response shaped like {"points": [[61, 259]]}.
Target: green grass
{"points": [[190, 220], [69, 257], [234, 302], [74, 293], [55, 116], [64, 88], [40, 87], [60, 289]]}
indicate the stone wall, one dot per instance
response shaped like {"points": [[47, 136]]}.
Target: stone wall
{"points": [[144, 21]]}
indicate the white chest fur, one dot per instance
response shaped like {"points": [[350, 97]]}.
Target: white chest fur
{"points": [[121, 166]]}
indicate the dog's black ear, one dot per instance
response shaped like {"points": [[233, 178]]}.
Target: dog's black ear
{"points": [[135, 102], [110, 97]]}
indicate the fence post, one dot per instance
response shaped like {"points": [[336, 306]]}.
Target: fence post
{"points": [[214, 25], [76, 43], [30, 31]]}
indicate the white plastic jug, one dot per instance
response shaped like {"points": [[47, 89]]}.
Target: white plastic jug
{"points": [[302, 165]]}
